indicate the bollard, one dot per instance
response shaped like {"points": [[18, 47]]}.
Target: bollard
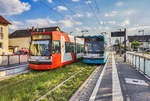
{"points": [[19, 59], [144, 65], [8, 60], [139, 63], [135, 61]]}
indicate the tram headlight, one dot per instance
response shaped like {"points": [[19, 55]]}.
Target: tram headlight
{"points": [[47, 57], [101, 54]]}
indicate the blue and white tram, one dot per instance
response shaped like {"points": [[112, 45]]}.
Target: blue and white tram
{"points": [[95, 52]]}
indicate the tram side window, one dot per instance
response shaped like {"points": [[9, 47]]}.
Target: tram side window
{"points": [[78, 48], [69, 47], [82, 48], [72, 46], [56, 46]]}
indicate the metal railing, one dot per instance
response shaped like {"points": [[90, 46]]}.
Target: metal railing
{"points": [[140, 62], [6, 60]]}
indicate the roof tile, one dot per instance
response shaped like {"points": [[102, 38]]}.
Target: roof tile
{"points": [[4, 21]]}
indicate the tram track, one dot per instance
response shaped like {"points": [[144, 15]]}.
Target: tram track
{"points": [[84, 90], [60, 84], [85, 84]]}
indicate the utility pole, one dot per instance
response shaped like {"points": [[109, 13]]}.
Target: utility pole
{"points": [[125, 45], [120, 44]]}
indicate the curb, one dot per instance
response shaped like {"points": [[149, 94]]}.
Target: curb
{"points": [[85, 84]]}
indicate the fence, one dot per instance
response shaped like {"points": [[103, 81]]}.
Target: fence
{"points": [[13, 59], [139, 61]]}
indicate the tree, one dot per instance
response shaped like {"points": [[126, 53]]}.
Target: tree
{"points": [[135, 44]]}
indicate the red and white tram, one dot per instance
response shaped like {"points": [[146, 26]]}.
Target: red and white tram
{"points": [[52, 49]]}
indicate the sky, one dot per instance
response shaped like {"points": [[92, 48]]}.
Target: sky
{"points": [[76, 16]]}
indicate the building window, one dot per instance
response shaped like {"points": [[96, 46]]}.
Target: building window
{"points": [[0, 45], [56, 46], [1, 32]]}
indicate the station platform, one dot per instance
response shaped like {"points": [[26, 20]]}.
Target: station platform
{"points": [[12, 70], [115, 81], [119, 81]]}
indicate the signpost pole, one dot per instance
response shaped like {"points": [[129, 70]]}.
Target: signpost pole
{"points": [[125, 45]]}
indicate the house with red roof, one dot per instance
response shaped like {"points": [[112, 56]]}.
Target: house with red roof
{"points": [[4, 36]]}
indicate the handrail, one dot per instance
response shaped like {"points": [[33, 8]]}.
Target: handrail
{"points": [[140, 61], [147, 56]]}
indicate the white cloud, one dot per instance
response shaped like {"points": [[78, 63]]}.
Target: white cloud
{"points": [[46, 22], [129, 12], [134, 30], [62, 8], [88, 2], [50, 1], [125, 23], [75, 0], [111, 22], [78, 23], [77, 29], [13, 7], [101, 22], [88, 14], [78, 15], [120, 13], [35, 0], [87, 28], [15, 25], [113, 13], [41, 22], [107, 28], [138, 28], [66, 23], [119, 3]]}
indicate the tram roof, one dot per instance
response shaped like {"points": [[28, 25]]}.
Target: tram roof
{"points": [[94, 36]]}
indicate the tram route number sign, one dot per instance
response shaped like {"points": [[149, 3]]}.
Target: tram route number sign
{"points": [[118, 34]]}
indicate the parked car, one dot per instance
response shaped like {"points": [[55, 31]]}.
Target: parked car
{"points": [[22, 52], [147, 50], [135, 50]]}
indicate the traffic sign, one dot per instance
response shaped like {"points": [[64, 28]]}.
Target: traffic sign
{"points": [[118, 34]]}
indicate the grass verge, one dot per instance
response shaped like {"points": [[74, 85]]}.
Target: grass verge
{"points": [[30, 86], [68, 88]]}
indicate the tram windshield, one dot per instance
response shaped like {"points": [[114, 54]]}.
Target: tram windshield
{"points": [[40, 48], [94, 46]]}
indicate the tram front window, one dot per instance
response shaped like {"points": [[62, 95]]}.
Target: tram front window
{"points": [[94, 47], [40, 48]]}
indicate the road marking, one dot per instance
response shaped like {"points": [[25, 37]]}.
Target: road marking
{"points": [[93, 96], [136, 81], [116, 89]]}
